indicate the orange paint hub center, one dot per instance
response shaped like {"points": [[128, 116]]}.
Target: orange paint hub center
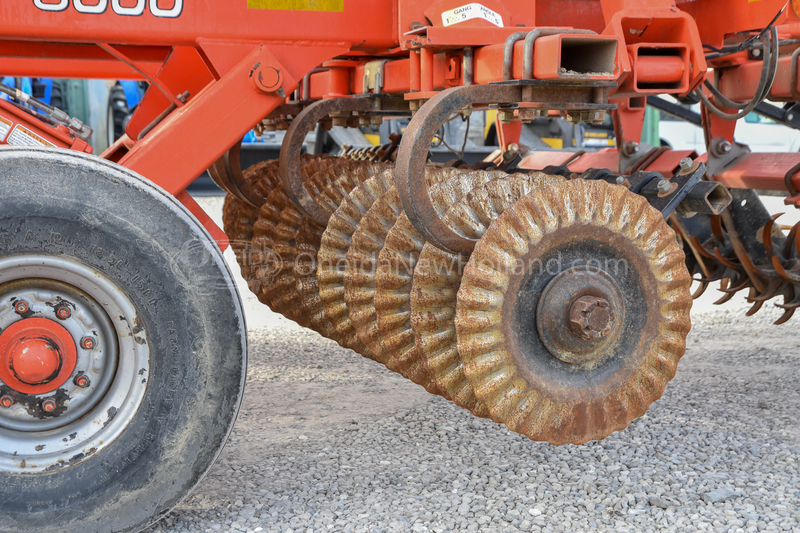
{"points": [[35, 360], [36, 356]]}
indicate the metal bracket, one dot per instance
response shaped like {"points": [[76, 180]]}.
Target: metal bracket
{"points": [[723, 153], [374, 76]]}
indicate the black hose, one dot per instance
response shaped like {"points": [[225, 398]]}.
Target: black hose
{"points": [[768, 71]]}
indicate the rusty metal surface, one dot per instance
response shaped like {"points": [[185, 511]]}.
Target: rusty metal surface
{"points": [[308, 239], [437, 278], [330, 185], [745, 250], [292, 146], [362, 256], [522, 385], [393, 278], [363, 266], [335, 243], [412, 156], [265, 262]]}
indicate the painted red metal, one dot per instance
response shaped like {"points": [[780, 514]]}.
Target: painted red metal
{"points": [[37, 356], [18, 127], [203, 61]]}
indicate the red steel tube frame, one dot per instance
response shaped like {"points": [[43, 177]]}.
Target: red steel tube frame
{"points": [[227, 46]]}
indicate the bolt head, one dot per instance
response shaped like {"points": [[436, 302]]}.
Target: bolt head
{"points": [[88, 343], [591, 317], [686, 164], [82, 381], [48, 405], [6, 401], [724, 147], [63, 312], [663, 186], [620, 180], [21, 307], [506, 115]]}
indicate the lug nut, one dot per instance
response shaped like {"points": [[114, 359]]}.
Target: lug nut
{"points": [[686, 164], [664, 186], [48, 405], [21, 307], [88, 343], [6, 401], [82, 381], [63, 312]]}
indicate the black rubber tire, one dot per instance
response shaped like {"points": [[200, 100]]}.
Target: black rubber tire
{"points": [[139, 237], [57, 97], [118, 113]]}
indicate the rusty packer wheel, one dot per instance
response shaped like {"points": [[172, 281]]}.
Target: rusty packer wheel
{"points": [[122, 343], [437, 277], [573, 312]]}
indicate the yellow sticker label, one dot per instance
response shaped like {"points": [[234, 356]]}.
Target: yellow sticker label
{"points": [[297, 5]]}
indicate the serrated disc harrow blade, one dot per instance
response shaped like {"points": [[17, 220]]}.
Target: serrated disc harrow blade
{"points": [[438, 275], [621, 329], [332, 256]]}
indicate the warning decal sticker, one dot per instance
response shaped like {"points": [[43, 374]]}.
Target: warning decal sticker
{"points": [[471, 11], [297, 5], [5, 127], [22, 136]]}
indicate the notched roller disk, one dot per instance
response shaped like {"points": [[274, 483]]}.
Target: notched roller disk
{"points": [[396, 263], [437, 277], [281, 290], [240, 218], [362, 265], [331, 258], [308, 240], [573, 312], [353, 304]]}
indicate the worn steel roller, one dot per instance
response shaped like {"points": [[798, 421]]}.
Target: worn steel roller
{"points": [[362, 262], [331, 258], [308, 239], [280, 289], [263, 178], [573, 312], [337, 244], [396, 262], [239, 216], [437, 277]]}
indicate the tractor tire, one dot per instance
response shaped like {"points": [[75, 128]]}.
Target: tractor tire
{"points": [[91, 249], [118, 113]]}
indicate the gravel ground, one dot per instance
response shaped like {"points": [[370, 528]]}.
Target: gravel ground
{"points": [[329, 441]]}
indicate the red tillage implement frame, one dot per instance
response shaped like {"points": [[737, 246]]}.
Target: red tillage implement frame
{"points": [[122, 340]]}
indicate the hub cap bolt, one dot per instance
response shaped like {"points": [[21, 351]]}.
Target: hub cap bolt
{"points": [[591, 317], [63, 312], [88, 343], [6, 401], [663, 186], [82, 381], [21, 307], [686, 164], [48, 405]]}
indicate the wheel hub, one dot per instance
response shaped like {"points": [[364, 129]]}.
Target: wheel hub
{"points": [[579, 314], [38, 356], [65, 387]]}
